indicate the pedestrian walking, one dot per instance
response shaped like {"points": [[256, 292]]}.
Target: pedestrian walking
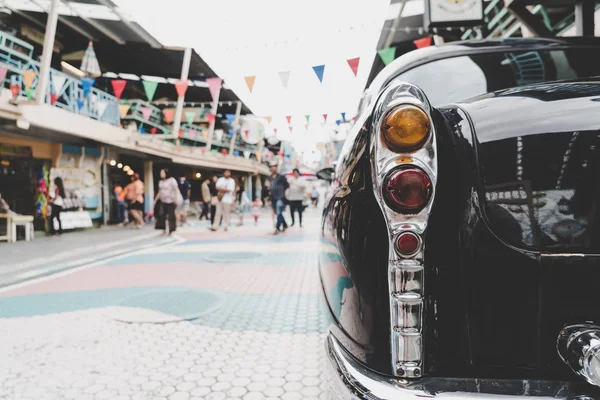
{"points": [[243, 204], [121, 204], [295, 195], [279, 185], [205, 191], [58, 202], [225, 199], [214, 199], [314, 196], [136, 207], [168, 192], [185, 188], [256, 205]]}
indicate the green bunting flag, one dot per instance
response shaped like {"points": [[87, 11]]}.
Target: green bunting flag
{"points": [[387, 55], [150, 89], [307, 116], [190, 116]]}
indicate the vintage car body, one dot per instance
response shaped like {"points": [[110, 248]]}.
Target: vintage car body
{"points": [[501, 296]]}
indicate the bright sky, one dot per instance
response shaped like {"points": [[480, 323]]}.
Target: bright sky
{"points": [[263, 37]]}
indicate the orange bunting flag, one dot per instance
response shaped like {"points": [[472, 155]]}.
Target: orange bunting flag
{"points": [[268, 119], [289, 119], [28, 77], [423, 42], [181, 87], [123, 109], [168, 114], [353, 63], [250, 82], [306, 126]]}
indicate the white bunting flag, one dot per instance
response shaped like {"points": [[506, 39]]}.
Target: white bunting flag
{"points": [[285, 77], [101, 106], [58, 81]]}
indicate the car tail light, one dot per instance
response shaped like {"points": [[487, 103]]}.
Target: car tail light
{"points": [[407, 190], [408, 243], [405, 128]]}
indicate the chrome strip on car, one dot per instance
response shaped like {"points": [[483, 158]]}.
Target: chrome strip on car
{"points": [[405, 276], [348, 379]]}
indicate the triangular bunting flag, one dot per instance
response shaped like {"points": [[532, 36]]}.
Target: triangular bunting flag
{"points": [[54, 99], [3, 70], [58, 81], [289, 118], [319, 70], [86, 85], [190, 116], [230, 119], [306, 126], [423, 42], [285, 78], [205, 133], [118, 86], [353, 63], [28, 77], [246, 132], [275, 130], [387, 55], [343, 116], [291, 129], [150, 89], [15, 90], [268, 119], [307, 116], [146, 113], [181, 88], [324, 117], [79, 104], [101, 106], [250, 81], [246, 153], [192, 134], [30, 93], [211, 118], [168, 114], [214, 85], [123, 110]]}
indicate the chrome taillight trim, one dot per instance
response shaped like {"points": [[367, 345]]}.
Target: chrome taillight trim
{"points": [[405, 275]]}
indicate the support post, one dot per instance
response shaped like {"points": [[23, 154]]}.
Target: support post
{"points": [[530, 21], [47, 51], [211, 127], [185, 71], [584, 18], [148, 186], [236, 123]]}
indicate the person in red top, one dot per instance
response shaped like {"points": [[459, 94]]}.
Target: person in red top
{"points": [[134, 193]]}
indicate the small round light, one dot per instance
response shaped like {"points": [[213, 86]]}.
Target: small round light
{"points": [[407, 243], [126, 168], [407, 189], [113, 162], [198, 175], [119, 165], [130, 172], [405, 128]]}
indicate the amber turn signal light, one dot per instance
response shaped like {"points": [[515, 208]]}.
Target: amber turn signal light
{"points": [[405, 128]]}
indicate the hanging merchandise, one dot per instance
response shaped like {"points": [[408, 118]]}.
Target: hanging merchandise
{"points": [[423, 42], [86, 85], [118, 86], [150, 89], [181, 88], [123, 110], [250, 82], [190, 116], [319, 70], [146, 113], [214, 86], [353, 64], [89, 63], [285, 78], [168, 114], [387, 55]]}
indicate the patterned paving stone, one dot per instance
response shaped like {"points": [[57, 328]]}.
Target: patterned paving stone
{"points": [[238, 327]]}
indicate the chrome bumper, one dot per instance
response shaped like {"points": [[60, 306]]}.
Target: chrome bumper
{"points": [[348, 379]]}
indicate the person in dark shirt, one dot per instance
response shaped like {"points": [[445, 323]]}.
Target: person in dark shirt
{"points": [[185, 188], [279, 185]]}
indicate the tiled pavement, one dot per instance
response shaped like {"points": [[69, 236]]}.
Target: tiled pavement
{"points": [[218, 315]]}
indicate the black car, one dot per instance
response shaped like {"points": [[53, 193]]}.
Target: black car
{"points": [[460, 255]]}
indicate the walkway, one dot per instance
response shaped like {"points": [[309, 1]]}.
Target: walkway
{"points": [[216, 315]]}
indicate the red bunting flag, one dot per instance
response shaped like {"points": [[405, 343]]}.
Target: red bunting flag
{"points": [[250, 82], [275, 130], [15, 90], [423, 42], [289, 119], [168, 114], [181, 87], [224, 152], [180, 135], [53, 98], [118, 86], [353, 63], [324, 117], [291, 129], [211, 118], [153, 131], [246, 132]]}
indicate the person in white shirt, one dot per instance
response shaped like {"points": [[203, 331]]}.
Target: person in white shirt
{"points": [[226, 189]]}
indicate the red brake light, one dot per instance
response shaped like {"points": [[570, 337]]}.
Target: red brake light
{"points": [[407, 190], [407, 243]]}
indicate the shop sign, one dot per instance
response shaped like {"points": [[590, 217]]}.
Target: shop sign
{"points": [[7, 150]]}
